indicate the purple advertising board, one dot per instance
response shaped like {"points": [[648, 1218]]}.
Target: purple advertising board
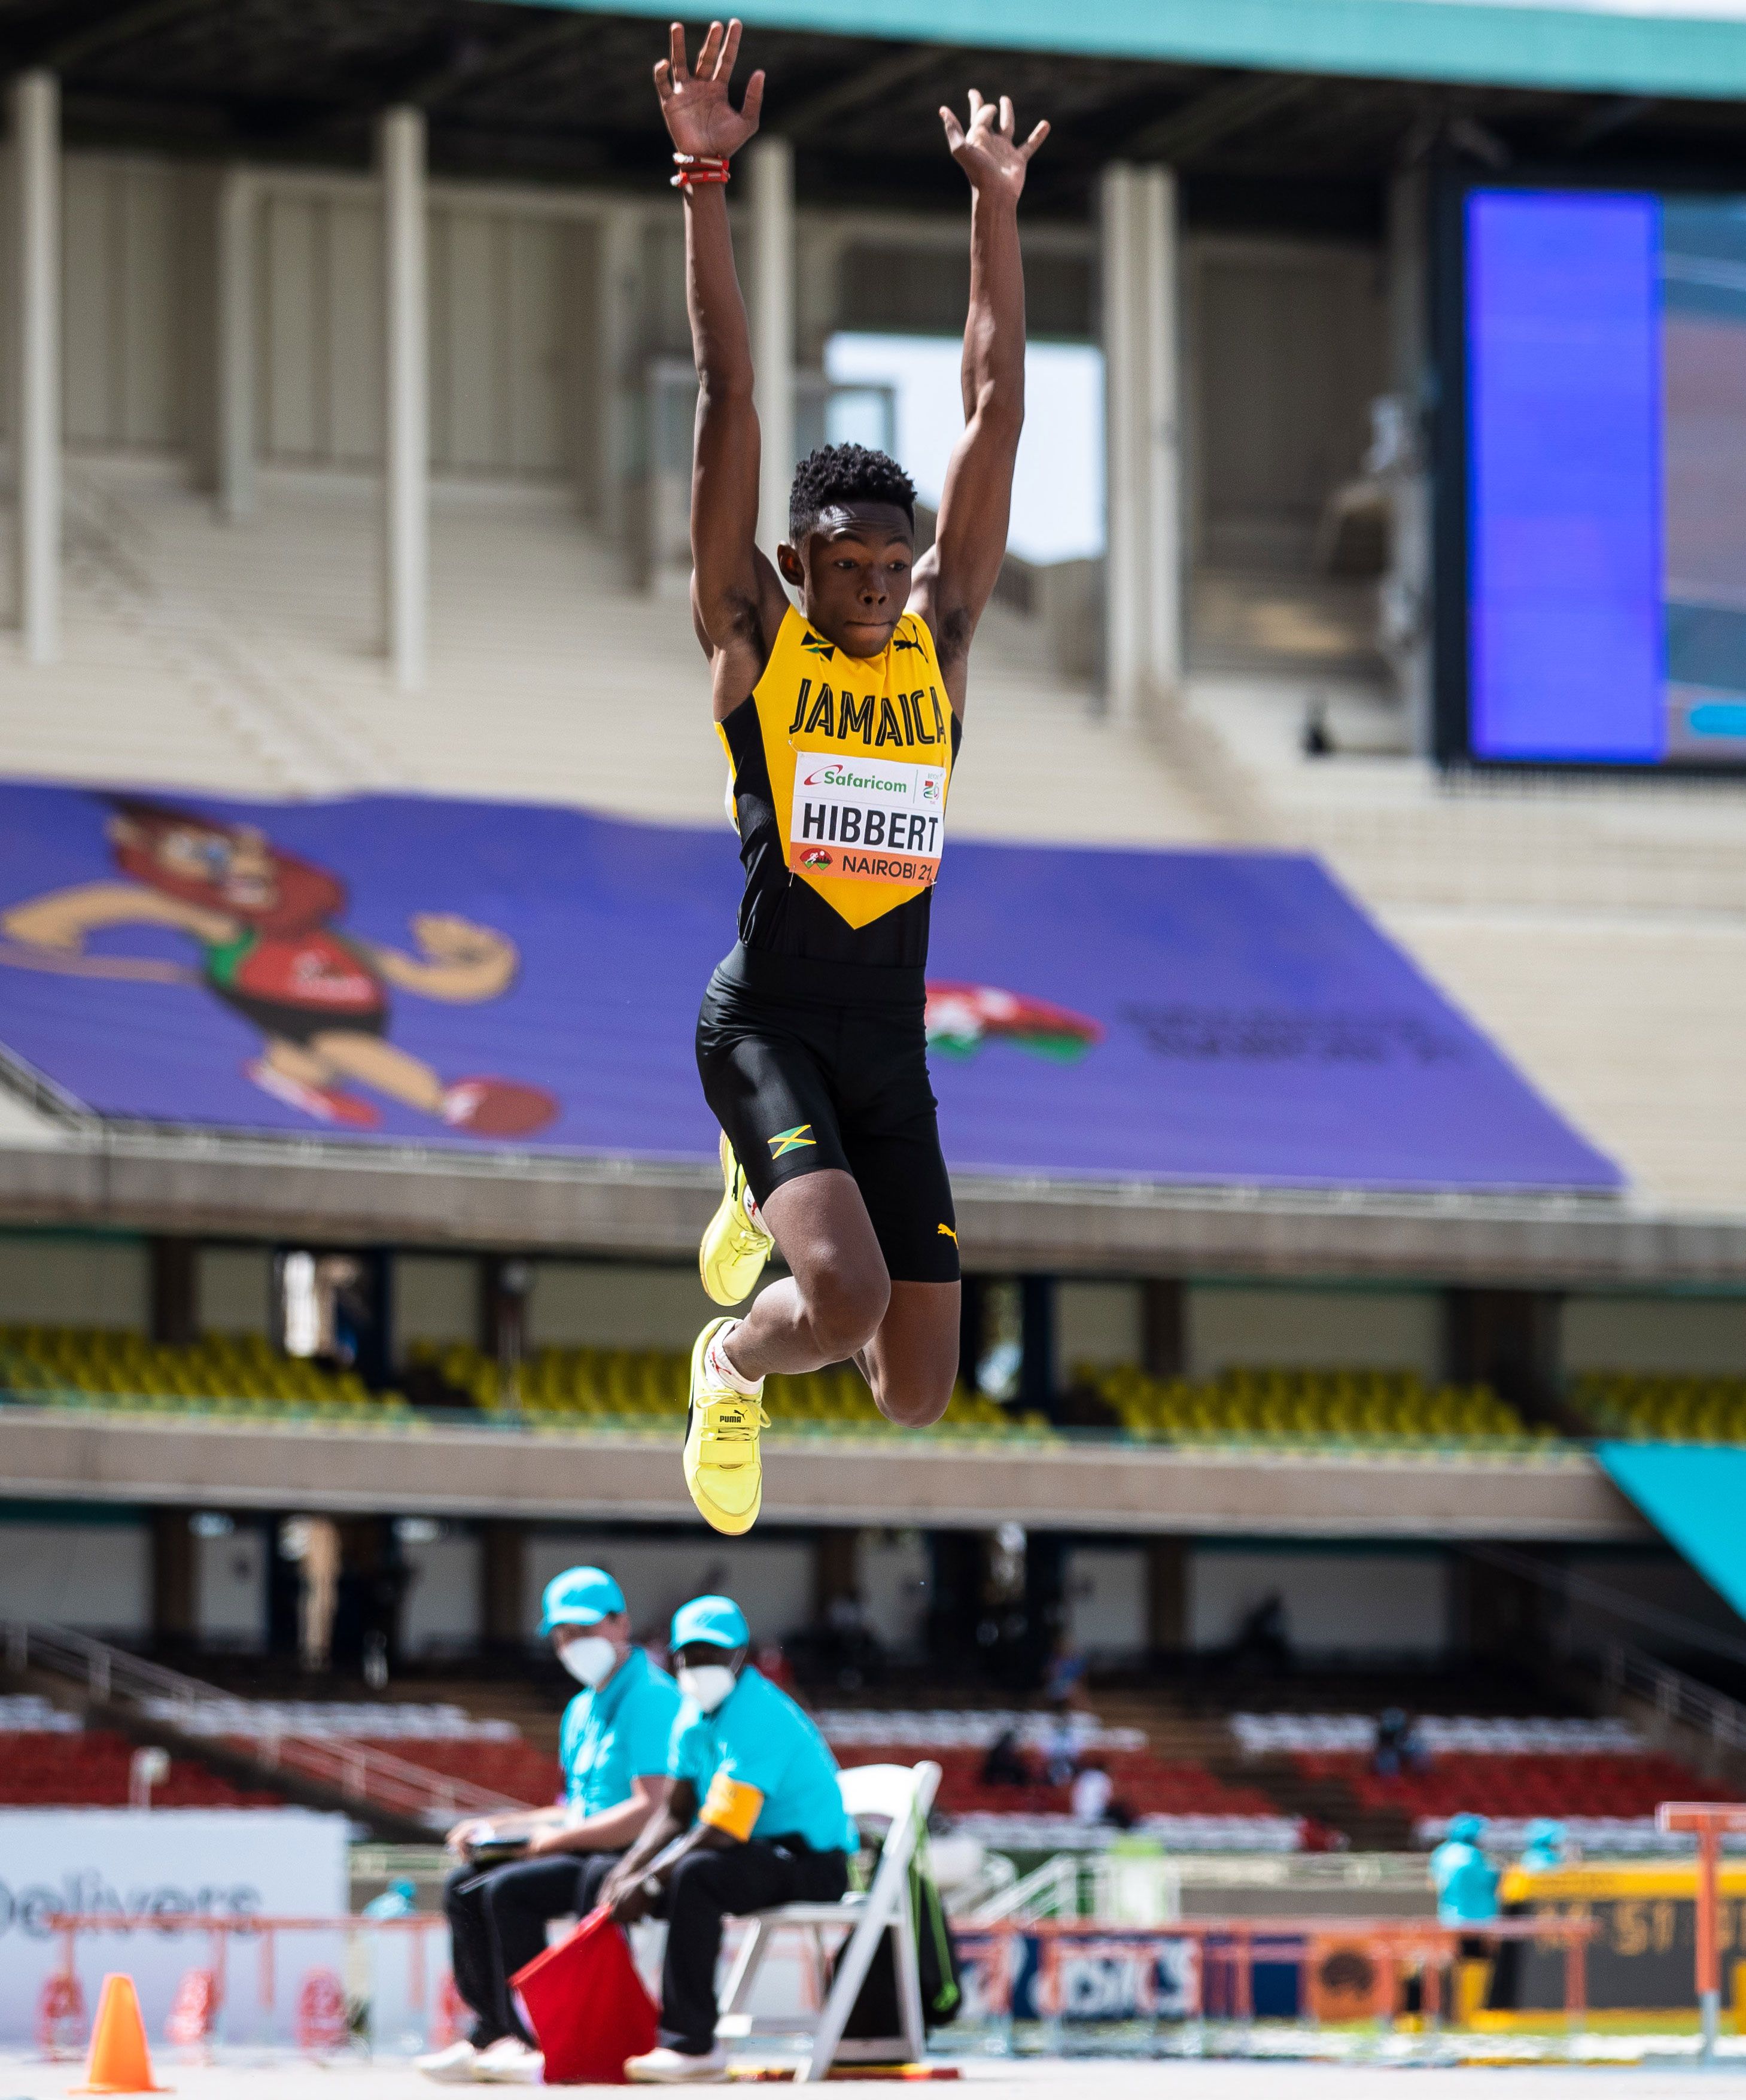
{"points": [[486, 974]]}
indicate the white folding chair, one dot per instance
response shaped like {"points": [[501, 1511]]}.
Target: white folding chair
{"points": [[900, 1796]]}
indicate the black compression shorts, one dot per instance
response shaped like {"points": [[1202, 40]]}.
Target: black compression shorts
{"points": [[835, 1076]]}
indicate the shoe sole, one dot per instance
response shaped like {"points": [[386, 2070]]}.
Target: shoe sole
{"points": [[735, 1528]]}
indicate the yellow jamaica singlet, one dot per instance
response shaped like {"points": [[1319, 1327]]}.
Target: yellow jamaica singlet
{"points": [[842, 766]]}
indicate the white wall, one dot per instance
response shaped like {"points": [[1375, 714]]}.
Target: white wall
{"points": [[1106, 1599], [1097, 1323], [435, 1298], [1702, 1335], [96, 1577], [55, 1280], [442, 1608], [230, 1589], [320, 328], [234, 1291], [771, 1581], [1287, 346], [1350, 1603], [122, 313], [608, 1306], [896, 1577], [1382, 1329]]}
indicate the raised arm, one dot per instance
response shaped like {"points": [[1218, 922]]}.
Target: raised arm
{"points": [[737, 599], [955, 577]]}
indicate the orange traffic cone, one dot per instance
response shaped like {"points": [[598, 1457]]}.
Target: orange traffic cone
{"points": [[119, 2060]]}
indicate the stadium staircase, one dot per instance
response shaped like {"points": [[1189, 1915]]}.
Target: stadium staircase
{"points": [[400, 1797]]}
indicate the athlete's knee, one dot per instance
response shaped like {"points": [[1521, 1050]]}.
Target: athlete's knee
{"points": [[912, 1401], [844, 1308]]}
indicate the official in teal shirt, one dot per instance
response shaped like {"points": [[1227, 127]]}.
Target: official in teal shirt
{"points": [[613, 1748], [610, 1735], [760, 1767], [1465, 1880], [754, 1818]]}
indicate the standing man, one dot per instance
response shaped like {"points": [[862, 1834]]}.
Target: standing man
{"points": [[755, 1818], [841, 722], [613, 1747]]}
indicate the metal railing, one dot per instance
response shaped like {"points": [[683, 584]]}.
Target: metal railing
{"points": [[1680, 1701], [358, 1771]]}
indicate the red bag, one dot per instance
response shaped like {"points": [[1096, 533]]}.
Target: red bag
{"points": [[586, 2004]]}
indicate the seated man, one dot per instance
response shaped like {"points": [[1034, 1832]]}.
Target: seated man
{"points": [[755, 1818], [613, 1748]]}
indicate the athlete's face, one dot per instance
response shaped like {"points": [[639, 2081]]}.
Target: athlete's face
{"points": [[854, 573]]}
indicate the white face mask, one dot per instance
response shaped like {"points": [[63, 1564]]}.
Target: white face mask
{"points": [[708, 1684], [591, 1659]]}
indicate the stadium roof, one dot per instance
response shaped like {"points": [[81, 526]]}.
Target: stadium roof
{"points": [[1682, 47], [1278, 112]]}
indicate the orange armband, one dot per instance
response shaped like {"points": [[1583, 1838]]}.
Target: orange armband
{"points": [[731, 1805]]}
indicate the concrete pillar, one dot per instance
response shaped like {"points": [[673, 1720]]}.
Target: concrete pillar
{"points": [[35, 147], [1163, 1315], [618, 271], [771, 172], [174, 1263], [174, 1600], [1167, 1595], [1037, 1331], [1509, 1340], [1143, 615], [407, 365], [238, 200], [503, 1576]]}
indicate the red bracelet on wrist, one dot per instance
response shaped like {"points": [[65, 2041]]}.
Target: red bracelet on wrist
{"points": [[696, 168]]}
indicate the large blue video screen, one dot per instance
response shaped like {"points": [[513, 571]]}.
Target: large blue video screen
{"points": [[1605, 348]]}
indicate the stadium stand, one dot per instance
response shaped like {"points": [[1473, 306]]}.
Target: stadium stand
{"points": [[582, 1386], [1175, 1800], [75, 1364], [1280, 1403], [49, 1759], [1641, 1407], [578, 1386], [1598, 1778], [491, 1752], [585, 1384]]}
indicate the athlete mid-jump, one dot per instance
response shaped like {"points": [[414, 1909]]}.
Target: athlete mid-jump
{"points": [[841, 722]]}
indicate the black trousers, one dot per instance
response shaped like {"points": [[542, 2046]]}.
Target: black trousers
{"points": [[708, 1886], [496, 1925]]}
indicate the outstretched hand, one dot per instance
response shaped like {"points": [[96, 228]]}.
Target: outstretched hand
{"points": [[700, 118], [990, 152]]}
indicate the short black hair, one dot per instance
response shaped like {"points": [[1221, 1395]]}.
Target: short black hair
{"points": [[845, 474]]}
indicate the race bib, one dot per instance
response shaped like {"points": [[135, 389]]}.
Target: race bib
{"points": [[875, 820]]}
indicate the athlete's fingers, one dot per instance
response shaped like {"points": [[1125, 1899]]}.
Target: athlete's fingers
{"points": [[676, 51], [1007, 118], [729, 51], [954, 131], [754, 101], [664, 86], [710, 53], [1034, 140], [976, 106]]}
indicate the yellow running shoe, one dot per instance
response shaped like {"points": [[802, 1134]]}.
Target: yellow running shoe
{"points": [[722, 1467], [736, 1246]]}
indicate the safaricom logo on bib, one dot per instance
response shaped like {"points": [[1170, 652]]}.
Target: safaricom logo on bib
{"points": [[839, 776], [883, 827]]}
